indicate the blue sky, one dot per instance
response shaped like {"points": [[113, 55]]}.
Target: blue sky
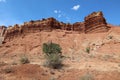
{"points": [[19, 11]]}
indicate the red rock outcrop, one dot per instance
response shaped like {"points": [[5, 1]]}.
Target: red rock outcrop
{"points": [[41, 25], [95, 23], [79, 26], [12, 32], [2, 33], [2, 30]]}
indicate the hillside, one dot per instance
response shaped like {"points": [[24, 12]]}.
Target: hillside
{"points": [[101, 63]]}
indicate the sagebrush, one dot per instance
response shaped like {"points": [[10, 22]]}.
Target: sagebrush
{"points": [[53, 56]]}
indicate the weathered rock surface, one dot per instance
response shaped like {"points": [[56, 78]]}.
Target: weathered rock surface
{"points": [[2, 32], [93, 23], [79, 26]]}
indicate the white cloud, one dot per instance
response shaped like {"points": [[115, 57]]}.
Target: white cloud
{"points": [[2, 0], [59, 15], [76, 7], [57, 11]]}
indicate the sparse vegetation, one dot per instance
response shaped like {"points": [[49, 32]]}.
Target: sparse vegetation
{"points": [[87, 77], [24, 59], [110, 37], [52, 78], [107, 57], [53, 55], [51, 48], [2, 63], [14, 63], [8, 70], [119, 64], [88, 49]]}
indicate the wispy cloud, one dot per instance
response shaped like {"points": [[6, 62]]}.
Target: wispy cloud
{"points": [[57, 11], [61, 14], [76, 7], [2, 0]]}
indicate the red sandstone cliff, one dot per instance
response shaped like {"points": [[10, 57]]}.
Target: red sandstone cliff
{"points": [[93, 23]]}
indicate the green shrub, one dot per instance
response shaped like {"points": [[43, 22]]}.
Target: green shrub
{"points": [[51, 48], [24, 60], [53, 55], [88, 49]]}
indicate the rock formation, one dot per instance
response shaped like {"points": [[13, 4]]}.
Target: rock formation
{"points": [[79, 26], [2, 32], [12, 32], [95, 23]]}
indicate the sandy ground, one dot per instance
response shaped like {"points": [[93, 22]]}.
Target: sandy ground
{"points": [[102, 63]]}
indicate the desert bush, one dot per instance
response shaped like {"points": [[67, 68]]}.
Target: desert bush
{"points": [[88, 49], [8, 70], [53, 55], [110, 37], [24, 60], [51, 48], [87, 77], [53, 61], [52, 78]]}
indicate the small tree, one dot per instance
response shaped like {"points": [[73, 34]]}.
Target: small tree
{"points": [[52, 54]]}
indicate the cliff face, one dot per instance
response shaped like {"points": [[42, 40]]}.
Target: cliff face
{"points": [[93, 23], [31, 27], [2, 32], [79, 26]]}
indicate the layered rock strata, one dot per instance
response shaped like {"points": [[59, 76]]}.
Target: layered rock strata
{"points": [[95, 23]]}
